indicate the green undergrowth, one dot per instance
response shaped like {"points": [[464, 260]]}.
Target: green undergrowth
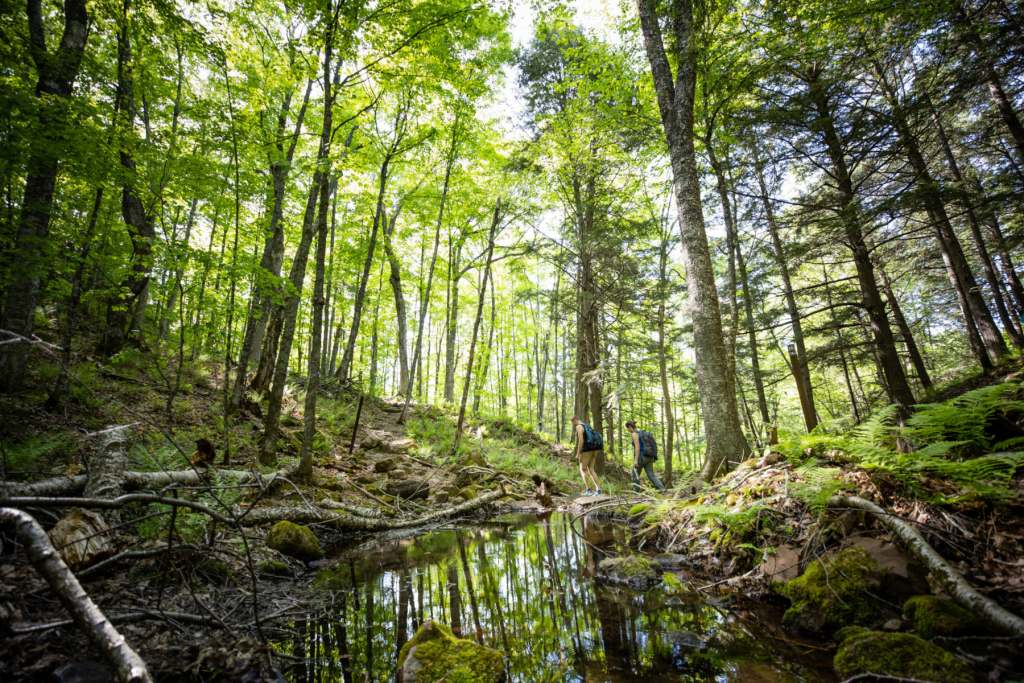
{"points": [[974, 441], [30, 454]]}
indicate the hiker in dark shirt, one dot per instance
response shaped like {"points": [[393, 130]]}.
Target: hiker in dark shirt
{"points": [[589, 445], [645, 454]]}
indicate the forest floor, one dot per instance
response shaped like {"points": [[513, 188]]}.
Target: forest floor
{"points": [[195, 598]]}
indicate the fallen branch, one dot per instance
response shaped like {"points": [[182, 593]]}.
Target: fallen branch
{"points": [[267, 515], [126, 618], [352, 509], [129, 666], [58, 486], [948, 578], [110, 503]]}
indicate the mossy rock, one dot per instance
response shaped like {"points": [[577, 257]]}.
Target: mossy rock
{"points": [[639, 509], [436, 654], [275, 569], [930, 616], [635, 571], [901, 655], [469, 493], [833, 592], [294, 540]]}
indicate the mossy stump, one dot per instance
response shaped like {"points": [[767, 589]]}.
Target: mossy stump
{"points": [[635, 571], [833, 592], [930, 616], [902, 655], [436, 654], [294, 540]]}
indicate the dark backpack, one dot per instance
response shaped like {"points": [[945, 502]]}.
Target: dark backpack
{"points": [[592, 439], [648, 446]]}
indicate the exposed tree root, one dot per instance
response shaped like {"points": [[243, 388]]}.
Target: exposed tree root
{"points": [[948, 578], [129, 666]]}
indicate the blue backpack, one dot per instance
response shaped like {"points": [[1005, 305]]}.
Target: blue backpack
{"points": [[592, 439]]}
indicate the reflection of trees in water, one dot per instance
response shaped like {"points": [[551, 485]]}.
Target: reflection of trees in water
{"points": [[527, 590]]}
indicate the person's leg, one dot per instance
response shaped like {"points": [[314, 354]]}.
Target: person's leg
{"points": [[653, 476], [583, 474], [634, 475], [593, 470]]}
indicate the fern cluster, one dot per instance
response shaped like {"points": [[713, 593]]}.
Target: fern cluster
{"points": [[974, 441]]}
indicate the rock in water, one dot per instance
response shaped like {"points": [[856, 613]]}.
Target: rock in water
{"points": [[436, 654], [833, 592], [900, 655], [83, 672], [294, 540], [635, 571]]}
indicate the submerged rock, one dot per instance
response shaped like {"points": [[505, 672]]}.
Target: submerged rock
{"points": [[436, 654], [635, 571], [897, 654], [833, 592], [294, 540], [930, 616]]}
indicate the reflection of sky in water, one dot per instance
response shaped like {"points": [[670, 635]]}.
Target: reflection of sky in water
{"points": [[528, 584]]}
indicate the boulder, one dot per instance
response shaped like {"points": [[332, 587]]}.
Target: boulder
{"points": [[385, 465], [930, 616], [782, 565], [294, 540], [832, 593], [400, 445], [635, 571], [899, 655], [409, 489], [436, 654]]}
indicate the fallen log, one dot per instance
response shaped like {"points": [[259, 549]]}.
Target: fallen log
{"points": [[110, 503], [356, 510], [269, 515], [948, 579], [64, 486], [129, 666]]}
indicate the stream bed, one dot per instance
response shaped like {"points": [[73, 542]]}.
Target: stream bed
{"points": [[524, 584]]}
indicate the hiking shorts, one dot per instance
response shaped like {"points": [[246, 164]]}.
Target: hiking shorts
{"points": [[588, 458]]}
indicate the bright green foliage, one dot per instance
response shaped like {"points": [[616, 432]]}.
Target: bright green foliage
{"points": [[440, 656], [816, 485], [833, 592], [25, 456], [898, 654], [931, 615], [294, 540]]}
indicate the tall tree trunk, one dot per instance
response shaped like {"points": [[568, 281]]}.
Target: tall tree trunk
{"points": [[491, 234], [666, 394], [395, 278], [1009, 324], [297, 276], [972, 304], [726, 444], [895, 380], [267, 287], [1000, 99], [908, 336], [810, 414], [755, 360], [126, 309], [452, 325], [345, 369], [31, 251]]}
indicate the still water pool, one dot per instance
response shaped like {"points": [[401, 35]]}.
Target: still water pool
{"points": [[525, 585]]}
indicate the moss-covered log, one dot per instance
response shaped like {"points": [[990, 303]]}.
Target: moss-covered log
{"points": [[948, 578]]}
